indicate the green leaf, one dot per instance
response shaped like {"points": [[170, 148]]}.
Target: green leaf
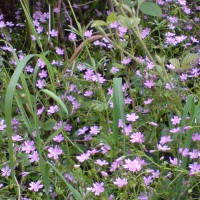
{"points": [[190, 57], [175, 62], [150, 8], [118, 110], [129, 22], [112, 17], [97, 23], [24, 160], [128, 3], [48, 125]]}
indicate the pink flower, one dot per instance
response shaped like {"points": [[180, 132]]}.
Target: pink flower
{"points": [[35, 186], [163, 148], [83, 157], [53, 33], [145, 32], [59, 51], [98, 188], [6, 171], [72, 36], [88, 33], [28, 146], [194, 168], [17, 138], [165, 139], [94, 130], [149, 83], [2, 125], [101, 162], [126, 60], [175, 120], [54, 152], [132, 117], [58, 138], [133, 165], [137, 137], [148, 101], [52, 109], [196, 137], [34, 157], [120, 182]]}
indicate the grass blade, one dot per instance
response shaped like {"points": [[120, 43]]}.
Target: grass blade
{"points": [[75, 193], [118, 110], [57, 99]]}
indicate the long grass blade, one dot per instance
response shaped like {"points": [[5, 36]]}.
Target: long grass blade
{"points": [[75, 193], [57, 99], [118, 110]]}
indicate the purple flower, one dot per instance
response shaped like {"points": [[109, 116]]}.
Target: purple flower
{"points": [[101, 162], [120, 182], [163, 148], [52, 110], [149, 83], [145, 32], [17, 138], [132, 117], [28, 146], [147, 180], [94, 130], [53, 33], [175, 120], [6, 171], [88, 33], [2, 125], [196, 137], [126, 60], [35, 186], [41, 83], [133, 165], [165, 139], [54, 152], [137, 137], [194, 168], [98, 188], [83, 157], [59, 51], [72, 37], [34, 157]]}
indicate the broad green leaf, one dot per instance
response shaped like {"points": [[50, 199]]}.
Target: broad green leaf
{"points": [[48, 125], [150, 8], [128, 3], [129, 22], [112, 17], [97, 23], [175, 62], [189, 58]]}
